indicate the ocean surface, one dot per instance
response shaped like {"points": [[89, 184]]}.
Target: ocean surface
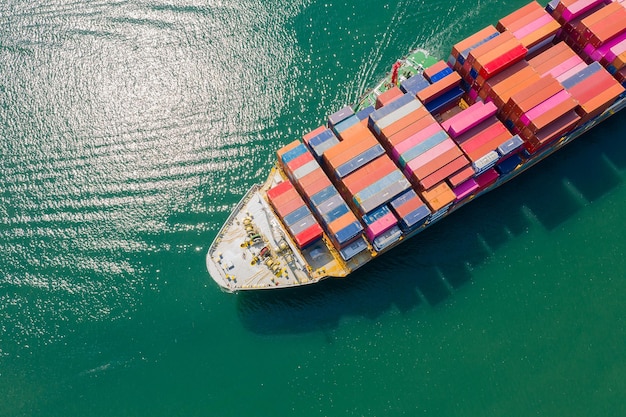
{"points": [[128, 131]]}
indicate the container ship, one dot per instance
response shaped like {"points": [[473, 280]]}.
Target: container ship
{"points": [[429, 138]]}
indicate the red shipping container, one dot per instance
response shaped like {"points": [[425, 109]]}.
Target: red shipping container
{"points": [[308, 236], [487, 47], [477, 153], [299, 161], [279, 189], [481, 134], [285, 198], [461, 176], [487, 178], [388, 97], [500, 59], [445, 172]]}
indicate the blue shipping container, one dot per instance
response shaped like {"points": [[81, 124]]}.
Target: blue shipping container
{"points": [[403, 198], [335, 213], [444, 101], [353, 249], [349, 122], [510, 145], [364, 114], [296, 215], [348, 233], [509, 164], [414, 84], [416, 218], [379, 185], [322, 137], [294, 153], [318, 150], [441, 74], [384, 196], [359, 161], [373, 216], [325, 194], [389, 108]]}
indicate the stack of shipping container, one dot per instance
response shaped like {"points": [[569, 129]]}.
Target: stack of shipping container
{"points": [[442, 136]]}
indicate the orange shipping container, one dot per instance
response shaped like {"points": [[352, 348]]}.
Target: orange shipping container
{"points": [[406, 121], [342, 222], [436, 163], [440, 87], [510, 21], [444, 172], [438, 196], [345, 146], [410, 130]]}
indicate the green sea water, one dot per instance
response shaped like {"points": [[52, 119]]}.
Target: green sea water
{"points": [[128, 131]]}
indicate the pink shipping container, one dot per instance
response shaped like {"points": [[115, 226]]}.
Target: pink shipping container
{"points": [[428, 155], [381, 226], [469, 118], [543, 107], [566, 65], [418, 137]]}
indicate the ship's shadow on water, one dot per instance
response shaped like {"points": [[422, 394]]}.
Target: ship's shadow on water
{"points": [[431, 266]]}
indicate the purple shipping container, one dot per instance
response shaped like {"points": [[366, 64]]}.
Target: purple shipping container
{"points": [[579, 8], [466, 189], [340, 116], [616, 50], [598, 53]]}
